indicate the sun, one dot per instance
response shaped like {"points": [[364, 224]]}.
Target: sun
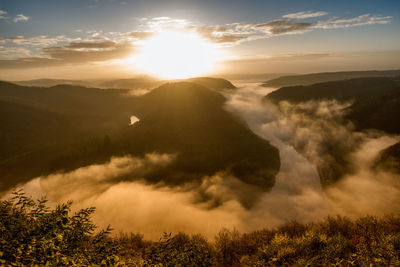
{"points": [[176, 55]]}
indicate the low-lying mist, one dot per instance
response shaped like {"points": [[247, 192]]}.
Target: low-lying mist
{"points": [[299, 132]]}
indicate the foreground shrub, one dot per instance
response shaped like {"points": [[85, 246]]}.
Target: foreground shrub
{"points": [[180, 250], [32, 234]]}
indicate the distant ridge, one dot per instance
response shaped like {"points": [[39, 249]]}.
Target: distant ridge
{"points": [[140, 82], [308, 79], [53, 82], [129, 83]]}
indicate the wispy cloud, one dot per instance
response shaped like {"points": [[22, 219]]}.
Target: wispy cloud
{"points": [[366, 19], [3, 14], [236, 33], [219, 34], [98, 46], [90, 51], [278, 27], [41, 40], [72, 53], [305, 15], [13, 52], [21, 17], [165, 22]]}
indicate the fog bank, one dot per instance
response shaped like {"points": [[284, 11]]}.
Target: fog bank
{"points": [[124, 200]]}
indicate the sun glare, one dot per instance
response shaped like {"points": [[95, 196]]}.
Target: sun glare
{"points": [[176, 55]]}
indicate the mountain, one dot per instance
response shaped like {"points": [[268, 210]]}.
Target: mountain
{"points": [[80, 102], [308, 79], [213, 83], [252, 77], [188, 120], [374, 104], [37, 124], [146, 82], [54, 82], [140, 82], [71, 126], [375, 101]]}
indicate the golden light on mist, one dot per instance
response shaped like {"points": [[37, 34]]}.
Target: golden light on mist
{"points": [[176, 55]]}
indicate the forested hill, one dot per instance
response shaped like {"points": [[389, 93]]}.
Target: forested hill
{"points": [[376, 101], [65, 127], [389, 159], [369, 104], [308, 79]]}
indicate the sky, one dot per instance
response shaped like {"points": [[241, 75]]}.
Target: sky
{"points": [[98, 38]]}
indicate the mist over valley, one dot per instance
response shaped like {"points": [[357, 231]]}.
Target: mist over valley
{"points": [[199, 133]]}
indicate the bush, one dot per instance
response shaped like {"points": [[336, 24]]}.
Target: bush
{"points": [[228, 246], [33, 234], [180, 250]]}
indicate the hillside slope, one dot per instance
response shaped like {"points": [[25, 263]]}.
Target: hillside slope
{"points": [[389, 159], [372, 104], [78, 126], [308, 79], [213, 83], [37, 124], [376, 101], [188, 119]]}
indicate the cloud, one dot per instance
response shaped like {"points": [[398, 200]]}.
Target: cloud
{"points": [[17, 18], [90, 51], [297, 190], [100, 176], [362, 20], [236, 33], [21, 17], [213, 33], [91, 45], [165, 22], [141, 35], [76, 52], [98, 46], [129, 204], [305, 15], [317, 130], [228, 39], [13, 52], [279, 27], [3, 14], [284, 27], [218, 34], [39, 41]]}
